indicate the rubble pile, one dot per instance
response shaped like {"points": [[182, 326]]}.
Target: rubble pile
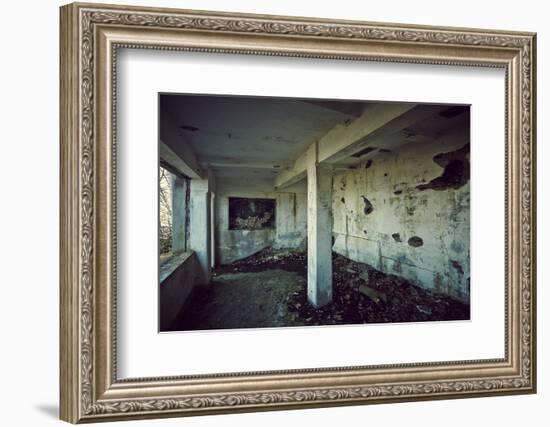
{"points": [[268, 259], [361, 294]]}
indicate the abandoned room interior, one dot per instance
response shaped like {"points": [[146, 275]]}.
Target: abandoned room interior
{"points": [[307, 212]]}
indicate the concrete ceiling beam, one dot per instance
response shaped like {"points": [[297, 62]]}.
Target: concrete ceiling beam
{"points": [[243, 165], [345, 139]]}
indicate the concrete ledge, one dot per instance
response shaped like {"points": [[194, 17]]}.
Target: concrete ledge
{"points": [[171, 264], [178, 276]]}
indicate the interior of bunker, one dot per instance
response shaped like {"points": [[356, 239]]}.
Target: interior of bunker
{"points": [[305, 212]]}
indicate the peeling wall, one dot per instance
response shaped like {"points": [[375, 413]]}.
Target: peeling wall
{"points": [[251, 213], [290, 221], [407, 212]]}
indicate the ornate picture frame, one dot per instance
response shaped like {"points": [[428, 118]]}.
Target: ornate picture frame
{"points": [[90, 37]]}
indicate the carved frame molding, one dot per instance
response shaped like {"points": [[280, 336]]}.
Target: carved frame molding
{"points": [[90, 36]]}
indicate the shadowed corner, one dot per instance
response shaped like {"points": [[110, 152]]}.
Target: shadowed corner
{"points": [[51, 410]]}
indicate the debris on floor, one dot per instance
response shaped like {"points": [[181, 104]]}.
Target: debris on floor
{"points": [[362, 294], [268, 259], [270, 289]]}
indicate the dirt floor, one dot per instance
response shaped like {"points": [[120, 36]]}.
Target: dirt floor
{"points": [[269, 289]]}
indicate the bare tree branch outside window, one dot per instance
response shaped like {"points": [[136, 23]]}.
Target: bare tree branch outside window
{"points": [[165, 211]]}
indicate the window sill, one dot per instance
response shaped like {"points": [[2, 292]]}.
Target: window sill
{"points": [[172, 264]]}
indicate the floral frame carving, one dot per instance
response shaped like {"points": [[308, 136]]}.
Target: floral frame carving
{"points": [[90, 35]]}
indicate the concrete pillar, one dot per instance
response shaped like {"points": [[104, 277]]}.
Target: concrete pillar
{"points": [[319, 230], [199, 225], [179, 213]]}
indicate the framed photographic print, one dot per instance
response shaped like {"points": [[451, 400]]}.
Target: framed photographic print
{"points": [[267, 212]]}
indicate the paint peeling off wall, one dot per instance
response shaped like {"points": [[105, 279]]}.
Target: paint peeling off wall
{"points": [[407, 212], [251, 213]]}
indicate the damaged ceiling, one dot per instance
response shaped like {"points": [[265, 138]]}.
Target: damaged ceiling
{"points": [[254, 138]]}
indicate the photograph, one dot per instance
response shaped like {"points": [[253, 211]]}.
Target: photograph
{"points": [[293, 212], [270, 209]]}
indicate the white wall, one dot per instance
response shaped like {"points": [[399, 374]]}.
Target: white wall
{"points": [[29, 175]]}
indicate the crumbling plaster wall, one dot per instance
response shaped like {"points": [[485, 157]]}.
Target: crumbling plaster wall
{"points": [[290, 230], [407, 212]]}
